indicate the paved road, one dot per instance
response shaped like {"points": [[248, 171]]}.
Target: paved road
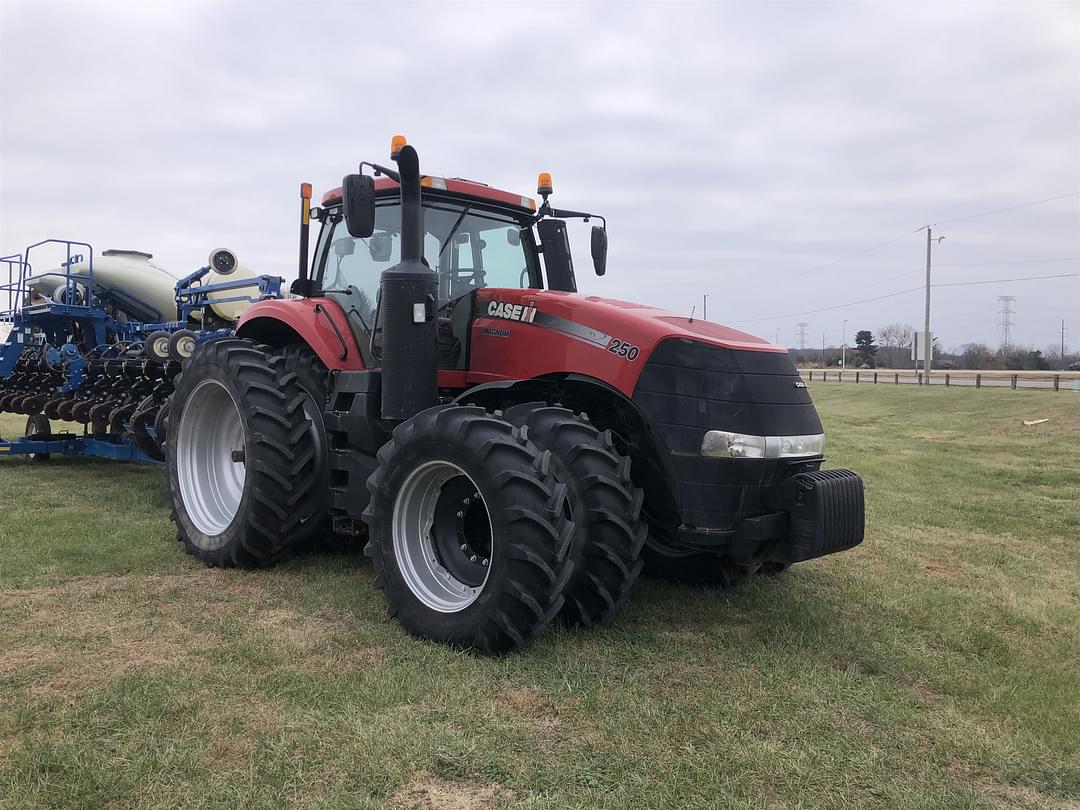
{"points": [[1041, 380]]}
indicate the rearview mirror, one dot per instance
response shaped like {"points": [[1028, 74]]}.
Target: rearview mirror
{"points": [[358, 201], [380, 247], [344, 247], [599, 249]]}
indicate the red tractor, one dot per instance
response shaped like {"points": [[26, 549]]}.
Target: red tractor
{"points": [[511, 450]]}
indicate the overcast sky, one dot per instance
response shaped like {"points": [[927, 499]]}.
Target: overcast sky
{"points": [[737, 149]]}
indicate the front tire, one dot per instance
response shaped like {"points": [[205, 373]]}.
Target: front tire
{"points": [[605, 507], [241, 457], [467, 530]]}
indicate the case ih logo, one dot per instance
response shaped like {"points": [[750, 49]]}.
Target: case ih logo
{"points": [[511, 312]]}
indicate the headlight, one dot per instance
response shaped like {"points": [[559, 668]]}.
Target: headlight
{"points": [[724, 444]]}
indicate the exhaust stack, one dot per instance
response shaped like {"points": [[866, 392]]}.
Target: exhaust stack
{"points": [[408, 293]]}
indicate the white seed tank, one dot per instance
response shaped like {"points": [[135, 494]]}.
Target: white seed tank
{"points": [[147, 290]]}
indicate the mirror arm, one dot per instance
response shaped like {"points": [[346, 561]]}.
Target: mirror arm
{"points": [[563, 213], [375, 167]]}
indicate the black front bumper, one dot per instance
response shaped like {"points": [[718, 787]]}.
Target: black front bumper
{"points": [[813, 514]]}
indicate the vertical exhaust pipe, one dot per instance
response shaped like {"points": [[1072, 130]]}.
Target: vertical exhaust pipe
{"points": [[408, 292]]}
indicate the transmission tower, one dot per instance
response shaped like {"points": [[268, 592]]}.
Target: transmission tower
{"points": [[1005, 313], [802, 335]]}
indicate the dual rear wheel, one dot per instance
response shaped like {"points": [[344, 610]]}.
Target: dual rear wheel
{"points": [[245, 472]]}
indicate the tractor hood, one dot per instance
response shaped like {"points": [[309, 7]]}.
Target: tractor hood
{"points": [[531, 333], [669, 324]]}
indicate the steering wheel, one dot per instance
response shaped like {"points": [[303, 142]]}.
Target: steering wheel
{"points": [[467, 277]]}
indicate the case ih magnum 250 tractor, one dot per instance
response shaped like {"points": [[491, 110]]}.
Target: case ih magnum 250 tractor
{"points": [[511, 451]]}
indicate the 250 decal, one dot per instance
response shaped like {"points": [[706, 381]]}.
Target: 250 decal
{"points": [[621, 348]]}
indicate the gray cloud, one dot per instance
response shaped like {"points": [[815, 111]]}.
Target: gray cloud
{"points": [[733, 147]]}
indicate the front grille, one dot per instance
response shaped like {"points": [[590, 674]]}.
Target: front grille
{"points": [[687, 388]]}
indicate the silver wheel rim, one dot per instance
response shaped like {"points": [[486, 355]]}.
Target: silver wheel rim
{"points": [[211, 482], [418, 559]]}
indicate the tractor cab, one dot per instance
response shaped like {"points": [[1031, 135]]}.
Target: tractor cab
{"points": [[474, 237]]}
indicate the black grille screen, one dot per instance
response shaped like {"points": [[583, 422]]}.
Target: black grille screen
{"points": [[688, 388]]}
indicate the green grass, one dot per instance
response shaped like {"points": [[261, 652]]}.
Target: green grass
{"points": [[934, 666]]}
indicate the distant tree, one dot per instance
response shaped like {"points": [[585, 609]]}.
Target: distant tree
{"points": [[976, 356], [866, 347], [895, 345]]}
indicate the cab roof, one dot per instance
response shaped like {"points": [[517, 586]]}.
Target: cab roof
{"points": [[455, 186]]}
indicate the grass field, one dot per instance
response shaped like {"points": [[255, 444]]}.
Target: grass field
{"points": [[938, 665]]}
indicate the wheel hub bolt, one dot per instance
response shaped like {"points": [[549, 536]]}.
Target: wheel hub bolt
{"points": [[472, 558], [466, 501], [460, 514], [238, 456], [484, 563], [464, 546], [476, 495]]}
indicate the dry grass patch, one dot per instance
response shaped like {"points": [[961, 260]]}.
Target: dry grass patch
{"points": [[295, 631], [943, 568], [425, 792], [88, 631], [531, 705]]}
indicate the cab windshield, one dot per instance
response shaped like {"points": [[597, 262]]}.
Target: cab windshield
{"points": [[469, 246]]}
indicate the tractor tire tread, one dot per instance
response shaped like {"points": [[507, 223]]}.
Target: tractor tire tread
{"points": [[609, 532], [266, 530], [524, 589]]}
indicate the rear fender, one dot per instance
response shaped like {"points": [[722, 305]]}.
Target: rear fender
{"points": [[318, 322]]}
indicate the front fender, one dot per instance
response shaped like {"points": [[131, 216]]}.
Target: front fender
{"points": [[318, 322]]}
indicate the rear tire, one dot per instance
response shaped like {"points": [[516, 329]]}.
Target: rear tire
{"points": [[241, 456], [315, 380], [605, 507], [483, 572]]}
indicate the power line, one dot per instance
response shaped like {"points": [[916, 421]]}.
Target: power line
{"points": [[1010, 208], [904, 292], [1004, 280], [842, 259], [895, 239], [827, 309], [995, 264]]}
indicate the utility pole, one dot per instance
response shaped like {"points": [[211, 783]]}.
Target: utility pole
{"points": [[1063, 343], [843, 348], [777, 341], [705, 307], [823, 350], [928, 349], [802, 335], [1005, 310]]}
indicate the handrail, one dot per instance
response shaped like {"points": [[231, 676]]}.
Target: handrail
{"points": [[16, 268], [68, 262]]}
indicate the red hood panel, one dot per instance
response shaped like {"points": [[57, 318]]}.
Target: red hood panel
{"points": [[520, 334]]}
